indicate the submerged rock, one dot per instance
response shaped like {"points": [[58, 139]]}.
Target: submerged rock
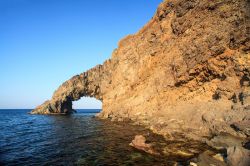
{"points": [[139, 142]]}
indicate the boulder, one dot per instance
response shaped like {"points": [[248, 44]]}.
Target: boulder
{"points": [[208, 158], [139, 142], [237, 155]]}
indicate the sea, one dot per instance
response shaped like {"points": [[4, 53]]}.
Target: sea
{"points": [[77, 139]]}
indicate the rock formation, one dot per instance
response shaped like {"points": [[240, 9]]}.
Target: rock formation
{"points": [[140, 143], [86, 84], [186, 71]]}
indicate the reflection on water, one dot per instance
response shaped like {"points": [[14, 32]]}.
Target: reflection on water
{"points": [[78, 139]]}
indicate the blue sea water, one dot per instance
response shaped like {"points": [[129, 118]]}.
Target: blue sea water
{"points": [[32, 139], [77, 139]]}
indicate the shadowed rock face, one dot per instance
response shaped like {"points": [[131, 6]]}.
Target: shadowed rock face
{"points": [[187, 70]]}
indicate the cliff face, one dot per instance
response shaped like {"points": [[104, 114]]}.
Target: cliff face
{"points": [[187, 70]]}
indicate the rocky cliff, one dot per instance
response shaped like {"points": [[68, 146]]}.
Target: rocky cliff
{"points": [[186, 71]]}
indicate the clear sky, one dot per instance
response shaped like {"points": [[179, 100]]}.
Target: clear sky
{"points": [[45, 42]]}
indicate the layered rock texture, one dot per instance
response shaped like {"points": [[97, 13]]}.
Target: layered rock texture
{"points": [[186, 71]]}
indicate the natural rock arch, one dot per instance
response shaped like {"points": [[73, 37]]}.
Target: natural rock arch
{"points": [[86, 84], [171, 69]]}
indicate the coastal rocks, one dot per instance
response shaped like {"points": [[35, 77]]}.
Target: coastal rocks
{"points": [[224, 141], [85, 84], [208, 158], [233, 148], [238, 156], [235, 155], [181, 73], [242, 126], [139, 142]]}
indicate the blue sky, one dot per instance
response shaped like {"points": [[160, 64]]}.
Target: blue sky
{"points": [[45, 42]]}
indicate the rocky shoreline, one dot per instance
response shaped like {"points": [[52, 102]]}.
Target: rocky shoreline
{"points": [[223, 149], [187, 71]]}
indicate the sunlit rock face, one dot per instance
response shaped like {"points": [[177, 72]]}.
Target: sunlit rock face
{"points": [[187, 70]]}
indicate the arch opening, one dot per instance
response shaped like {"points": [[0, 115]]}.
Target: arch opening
{"points": [[70, 94], [87, 103]]}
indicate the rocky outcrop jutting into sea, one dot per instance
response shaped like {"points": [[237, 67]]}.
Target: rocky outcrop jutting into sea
{"points": [[186, 71], [86, 84]]}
